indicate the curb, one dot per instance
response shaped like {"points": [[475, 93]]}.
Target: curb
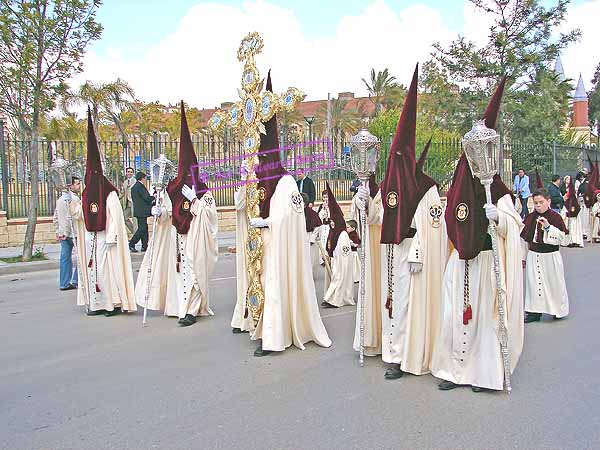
{"points": [[39, 266]]}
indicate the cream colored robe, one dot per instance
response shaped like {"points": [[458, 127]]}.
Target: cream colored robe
{"points": [[470, 354], [373, 302], [575, 227], [111, 269], [594, 223], [160, 249], [545, 286], [241, 241], [340, 291], [409, 336], [187, 290], [291, 312]]}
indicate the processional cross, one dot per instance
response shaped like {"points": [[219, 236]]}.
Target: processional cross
{"points": [[246, 118]]}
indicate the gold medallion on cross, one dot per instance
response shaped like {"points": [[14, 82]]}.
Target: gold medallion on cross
{"points": [[246, 118]]}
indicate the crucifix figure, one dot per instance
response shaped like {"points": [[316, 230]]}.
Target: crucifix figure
{"points": [[246, 117]]}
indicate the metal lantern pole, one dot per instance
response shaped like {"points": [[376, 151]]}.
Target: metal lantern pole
{"points": [[364, 153], [161, 171], [480, 146]]}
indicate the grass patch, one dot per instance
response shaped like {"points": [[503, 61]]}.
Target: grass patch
{"points": [[38, 255]]}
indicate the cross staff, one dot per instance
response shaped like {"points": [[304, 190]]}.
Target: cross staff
{"points": [[246, 117]]}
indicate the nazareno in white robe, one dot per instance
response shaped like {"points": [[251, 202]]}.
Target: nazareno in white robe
{"points": [[111, 268], [408, 338], [575, 227], [241, 241], [340, 291], [187, 290], [372, 310], [160, 249], [290, 313], [470, 354], [545, 286], [594, 235]]}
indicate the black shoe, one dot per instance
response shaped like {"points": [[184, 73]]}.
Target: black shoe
{"points": [[132, 249], [70, 287], [479, 389], [532, 317], [327, 305], [393, 373], [114, 312], [236, 330], [144, 249], [96, 313], [187, 321], [260, 352], [447, 386]]}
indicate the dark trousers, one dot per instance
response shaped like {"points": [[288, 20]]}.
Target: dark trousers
{"points": [[524, 209], [141, 233]]}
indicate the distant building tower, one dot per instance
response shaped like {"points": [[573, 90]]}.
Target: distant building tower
{"points": [[581, 122], [558, 68]]}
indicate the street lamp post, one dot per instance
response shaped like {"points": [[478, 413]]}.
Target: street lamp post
{"points": [[309, 120]]}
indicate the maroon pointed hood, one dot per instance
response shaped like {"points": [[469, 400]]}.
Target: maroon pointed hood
{"points": [[182, 217], [337, 224], [589, 197], [269, 170], [424, 181], [572, 204], [539, 184], [373, 186], [97, 186], [399, 190], [312, 219], [466, 222]]}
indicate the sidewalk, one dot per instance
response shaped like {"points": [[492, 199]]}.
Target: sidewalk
{"points": [[52, 251]]}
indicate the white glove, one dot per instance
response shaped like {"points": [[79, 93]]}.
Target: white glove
{"points": [[244, 170], [491, 212], [188, 192], [66, 196], [155, 211], [362, 196], [415, 267], [259, 222]]}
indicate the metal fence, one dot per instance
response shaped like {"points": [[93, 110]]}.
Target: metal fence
{"points": [[224, 156]]}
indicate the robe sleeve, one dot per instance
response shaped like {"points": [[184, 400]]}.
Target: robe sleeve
{"points": [[112, 221], [553, 236], [375, 216], [239, 198], [202, 246], [415, 253]]}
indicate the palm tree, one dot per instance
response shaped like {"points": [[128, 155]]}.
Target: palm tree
{"points": [[381, 85], [107, 102], [345, 121]]}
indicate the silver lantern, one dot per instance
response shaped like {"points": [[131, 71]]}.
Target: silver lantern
{"points": [[162, 170], [60, 174], [364, 154], [481, 149]]}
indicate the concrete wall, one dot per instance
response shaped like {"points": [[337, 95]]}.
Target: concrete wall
{"points": [[12, 231]]}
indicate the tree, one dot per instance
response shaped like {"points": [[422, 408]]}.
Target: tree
{"points": [[381, 87], [345, 120], [523, 41], [41, 46], [108, 102]]}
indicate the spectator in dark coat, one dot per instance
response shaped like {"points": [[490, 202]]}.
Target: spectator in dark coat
{"points": [[142, 209], [306, 186], [556, 199]]}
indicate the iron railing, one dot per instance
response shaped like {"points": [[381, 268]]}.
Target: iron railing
{"points": [[218, 156]]}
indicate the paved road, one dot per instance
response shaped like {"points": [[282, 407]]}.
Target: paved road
{"points": [[73, 382]]}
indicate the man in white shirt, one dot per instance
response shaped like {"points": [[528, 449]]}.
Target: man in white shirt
{"points": [[65, 235], [521, 190]]}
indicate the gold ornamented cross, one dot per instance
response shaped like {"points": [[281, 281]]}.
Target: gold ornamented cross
{"points": [[246, 117]]}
